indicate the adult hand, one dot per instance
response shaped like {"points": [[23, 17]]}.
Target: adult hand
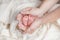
{"points": [[28, 24], [32, 11], [20, 25], [31, 22]]}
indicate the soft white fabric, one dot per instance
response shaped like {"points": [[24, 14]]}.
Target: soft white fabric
{"points": [[8, 12]]}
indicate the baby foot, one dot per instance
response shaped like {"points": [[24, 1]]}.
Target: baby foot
{"points": [[26, 20]]}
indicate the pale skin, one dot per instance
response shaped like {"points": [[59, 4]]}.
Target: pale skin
{"points": [[43, 8], [49, 17]]}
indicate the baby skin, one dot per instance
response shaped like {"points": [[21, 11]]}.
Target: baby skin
{"points": [[25, 21]]}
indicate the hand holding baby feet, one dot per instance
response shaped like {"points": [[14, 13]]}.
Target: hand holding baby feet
{"points": [[28, 22], [32, 11], [25, 21]]}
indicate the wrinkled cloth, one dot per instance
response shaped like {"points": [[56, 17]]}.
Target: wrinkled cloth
{"points": [[8, 11]]}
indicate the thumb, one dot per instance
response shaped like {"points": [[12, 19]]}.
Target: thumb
{"points": [[36, 12]]}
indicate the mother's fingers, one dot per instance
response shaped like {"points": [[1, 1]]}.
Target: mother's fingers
{"points": [[34, 26], [26, 10], [18, 17], [20, 25]]}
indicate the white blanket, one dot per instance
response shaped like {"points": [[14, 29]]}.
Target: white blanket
{"points": [[8, 13]]}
